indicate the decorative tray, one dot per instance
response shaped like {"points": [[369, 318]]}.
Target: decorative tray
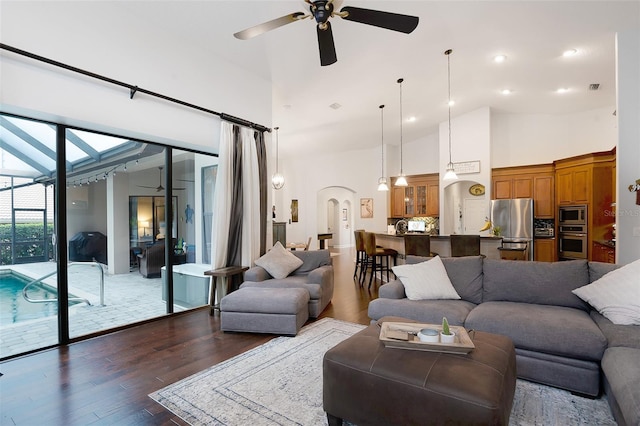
{"points": [[403, 335]]}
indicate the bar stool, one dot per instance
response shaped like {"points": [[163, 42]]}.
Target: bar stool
{"points": [[376, 254], [361, 255], [465, 245], [417, 245]]}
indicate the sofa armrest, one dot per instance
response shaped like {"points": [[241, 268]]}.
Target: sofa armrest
{"points": [[392, 290], [256, 273], [320, 275]]}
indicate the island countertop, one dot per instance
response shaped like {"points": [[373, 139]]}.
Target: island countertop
{"points": [[439, 244]]}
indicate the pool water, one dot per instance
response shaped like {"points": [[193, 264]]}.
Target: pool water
{"points": [[14, 308]]}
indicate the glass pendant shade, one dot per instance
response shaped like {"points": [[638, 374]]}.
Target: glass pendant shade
{"points": [[401, 181], [277, 180], [450, 174], [382, 184]]}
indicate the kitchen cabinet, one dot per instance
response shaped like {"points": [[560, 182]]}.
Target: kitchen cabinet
{"points": [[544, 249], [603, 253], [589, 179], [535, 181], [419, 198]]}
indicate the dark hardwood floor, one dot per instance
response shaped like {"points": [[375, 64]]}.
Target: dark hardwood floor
{"points": [[107, 379]]}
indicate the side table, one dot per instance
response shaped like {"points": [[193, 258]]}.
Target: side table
{"points": [[226, 273]]}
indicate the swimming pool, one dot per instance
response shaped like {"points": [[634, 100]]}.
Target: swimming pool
{"points": [[14, 308]]}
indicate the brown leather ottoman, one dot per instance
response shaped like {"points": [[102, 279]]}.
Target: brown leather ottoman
{"points": [[368, 384]]}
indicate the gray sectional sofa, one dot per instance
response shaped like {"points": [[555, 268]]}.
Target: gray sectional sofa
{"points": [[560, 341], [314, 275]]}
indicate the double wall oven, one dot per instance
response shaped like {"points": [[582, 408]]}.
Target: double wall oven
{"points": [[572, 232]]}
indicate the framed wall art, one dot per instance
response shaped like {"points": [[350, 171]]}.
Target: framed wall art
{"points": [[366, 208]]}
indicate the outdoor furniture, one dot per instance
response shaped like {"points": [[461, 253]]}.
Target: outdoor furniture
{"points": [[265, 310], [152, 259], [365, 382]]}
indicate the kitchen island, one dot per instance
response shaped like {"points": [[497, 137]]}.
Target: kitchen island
{"points": [[439, 244]]}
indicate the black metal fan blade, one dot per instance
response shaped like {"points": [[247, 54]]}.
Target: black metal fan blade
{"points": [[391, 21], [267, 26], [326, 45]]}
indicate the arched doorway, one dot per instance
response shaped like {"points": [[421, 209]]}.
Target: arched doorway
{"points": [[336, 215]]}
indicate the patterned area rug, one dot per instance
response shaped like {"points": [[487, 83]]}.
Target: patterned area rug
{"points": [[280, 383]]}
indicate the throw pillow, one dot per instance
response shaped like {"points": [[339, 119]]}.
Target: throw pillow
{"points": [[279, 262], [426, 280], [616, 295]]}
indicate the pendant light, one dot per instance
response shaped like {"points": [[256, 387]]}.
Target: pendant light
{"points": [[277, 180], [450, 174], [401, 180], [382, 182]]}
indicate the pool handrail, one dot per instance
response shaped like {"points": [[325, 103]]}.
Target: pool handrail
{"points": [[71, 299]]}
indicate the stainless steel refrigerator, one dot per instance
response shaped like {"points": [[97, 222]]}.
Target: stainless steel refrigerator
{"points": [[515, 219]]}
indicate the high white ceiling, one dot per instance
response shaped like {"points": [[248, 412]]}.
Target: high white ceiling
{"points": [[533, 35]]}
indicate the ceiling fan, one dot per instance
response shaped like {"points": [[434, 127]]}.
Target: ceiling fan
{"points": [[322, 10], [159, 188]]}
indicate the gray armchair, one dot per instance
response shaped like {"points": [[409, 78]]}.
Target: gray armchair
{"points": [[314, 275]]}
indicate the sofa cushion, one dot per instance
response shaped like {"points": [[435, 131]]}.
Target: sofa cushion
{"points": [[549, 329], [616, 295], [464, 272], [620, 367], [279, 262], [425, 311], [541, 283], [293, 281], [598, 269], [311, 259], [426, 280], [617, 335]]}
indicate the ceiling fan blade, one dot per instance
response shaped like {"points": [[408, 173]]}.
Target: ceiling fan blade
{"points": [[391, 21], [326, 45], [268, 26], [150, 187]]}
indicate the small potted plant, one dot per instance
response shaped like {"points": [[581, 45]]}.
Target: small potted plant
{"points": [[446, 335]]}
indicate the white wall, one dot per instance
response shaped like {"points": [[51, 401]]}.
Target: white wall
{"points": [[127, 54], [628, 151], [470, 141], [523, 139]]}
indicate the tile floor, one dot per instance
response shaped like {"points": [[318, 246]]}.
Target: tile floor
{"points": [[127, 298]]}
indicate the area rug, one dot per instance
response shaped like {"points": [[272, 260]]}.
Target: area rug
{"points": [[280, 383]]}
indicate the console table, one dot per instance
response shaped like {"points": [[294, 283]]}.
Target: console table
{"points": [[226, 273]]}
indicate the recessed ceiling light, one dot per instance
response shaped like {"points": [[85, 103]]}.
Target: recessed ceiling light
{"points": [[506, 91], [562, 90], [451, 103], [411, 119], [499, 58], [569, 52]]}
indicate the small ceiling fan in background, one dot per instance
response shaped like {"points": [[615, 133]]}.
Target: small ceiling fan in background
{"points": [[322, 10], [159, 188]]}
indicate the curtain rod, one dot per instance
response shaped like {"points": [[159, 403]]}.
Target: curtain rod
{"points": [[133, 89]]}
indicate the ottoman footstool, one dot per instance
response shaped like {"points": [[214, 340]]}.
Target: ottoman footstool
{"points": [[367, 383], [265, 310]]}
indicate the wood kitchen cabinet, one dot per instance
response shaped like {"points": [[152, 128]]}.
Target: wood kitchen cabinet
{"points": [[536, 181], [603, 253], [589, 179], [420, 198], [544, 249]]}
